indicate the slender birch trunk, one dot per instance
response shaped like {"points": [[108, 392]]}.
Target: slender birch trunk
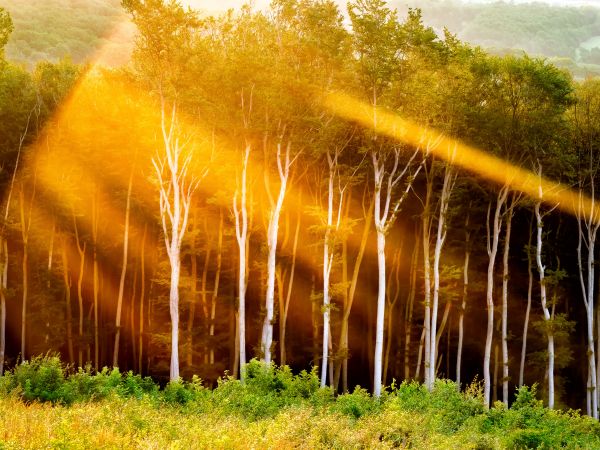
{"points": [[330, 230], [543, 296], [587, 232], [189, 360], [528, 308], [283, 168], [392, 300], [96, 284], [447, 187], [492, 250], [383, 219], [286, 306], [115, 361], [426, 237], [215, 292], [142, 297], [343, 342], [414, 261], [327, 263], [505, 272], [465, 296], [49, 274], [175, 197], [241, 233], [204, 290], [25, 227], [69, 312]]}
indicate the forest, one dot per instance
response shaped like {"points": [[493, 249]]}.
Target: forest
{"points": [[372, 202]]}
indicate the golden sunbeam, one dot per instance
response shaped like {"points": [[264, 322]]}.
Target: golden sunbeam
{"points": [[465, 156]]}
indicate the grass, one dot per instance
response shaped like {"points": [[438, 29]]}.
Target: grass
{"points": [[42, 405]]}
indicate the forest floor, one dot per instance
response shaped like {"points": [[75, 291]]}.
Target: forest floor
{"points": [[45, 405]]}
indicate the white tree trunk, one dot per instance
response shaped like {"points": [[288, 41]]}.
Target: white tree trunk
{"points": [[591, 224], [505, 271], [527, 310], [327, 263], [175, 260], [447, 187], [241, 231], [492, 244], [427, 282], [272, 235], [175, 197], [543, 297], [380, 312], [383, 219]]}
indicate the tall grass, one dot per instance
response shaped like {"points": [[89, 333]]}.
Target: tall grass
{"points": [[43, 404]]}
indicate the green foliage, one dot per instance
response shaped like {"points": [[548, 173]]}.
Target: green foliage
{"points": [[527, 424], [41, 379], [356, 404], [267, 390], [6, 28], [446, 407], [275, 399]]}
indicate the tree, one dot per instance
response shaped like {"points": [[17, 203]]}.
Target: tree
{"points": [[163, 48]]}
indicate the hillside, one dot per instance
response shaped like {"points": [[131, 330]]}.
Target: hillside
{"points": [[53, 29], [568, 35]]}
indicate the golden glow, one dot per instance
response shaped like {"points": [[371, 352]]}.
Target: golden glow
{"points": [[467, 157]]}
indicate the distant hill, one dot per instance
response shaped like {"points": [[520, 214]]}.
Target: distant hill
{"points": [[537, 28], [51, 29]]}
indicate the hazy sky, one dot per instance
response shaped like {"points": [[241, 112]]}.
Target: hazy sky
{"points": [[222, 5]]}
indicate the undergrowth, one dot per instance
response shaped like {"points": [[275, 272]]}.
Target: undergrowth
{"points": [[273, 408]]}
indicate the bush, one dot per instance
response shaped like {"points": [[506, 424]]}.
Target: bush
{"points": [[446, 407], [41, 379], [357, 404]]}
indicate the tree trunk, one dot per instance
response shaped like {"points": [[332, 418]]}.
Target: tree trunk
{"points": [[67, 281], [414, 261], [96, 285], [465, 296], [241, 231], [505, 271], [395, 270], [272, 234], [528, 309], [492, 250], [25, 268], [215, 293], [286, 306], [343, 342], [189, 345], [426, 218], [115, 361], [447, 186], [547, 319], [591, 227], [142, 296]]}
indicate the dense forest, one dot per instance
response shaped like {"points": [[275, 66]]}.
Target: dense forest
{"points": [[380, 200]]}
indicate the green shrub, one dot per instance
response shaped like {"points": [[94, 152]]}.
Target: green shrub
{"points": [[41, 379], [356, 404]]}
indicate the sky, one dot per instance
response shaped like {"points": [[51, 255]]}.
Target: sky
{"points": [[223, 5]]}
